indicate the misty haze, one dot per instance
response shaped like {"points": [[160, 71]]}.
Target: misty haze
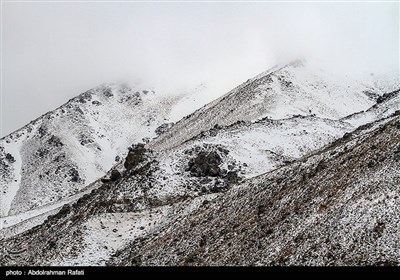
{"points": [[199, 134]]}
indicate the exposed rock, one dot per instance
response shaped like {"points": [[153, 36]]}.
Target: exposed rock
{"points": [[108, 92], [74, 173], [205, 164], [115, 175], [10, 158], [55, 141], [135, 156], [163, 128], [387, 96], [232, 177]]}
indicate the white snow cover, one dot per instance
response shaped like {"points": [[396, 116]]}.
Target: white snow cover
{"points": [[58, 154], [268, 144], [379, 111], [281, 92]]}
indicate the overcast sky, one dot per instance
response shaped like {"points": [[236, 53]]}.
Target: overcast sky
{"points": [[54, 51]]}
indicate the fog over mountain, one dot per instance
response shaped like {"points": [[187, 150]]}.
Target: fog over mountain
{"points": [[51, 51]]}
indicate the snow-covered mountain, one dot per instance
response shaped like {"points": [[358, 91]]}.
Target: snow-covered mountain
{"points": [[58, 154], [263, 145], [281, 92], [266, 144]]}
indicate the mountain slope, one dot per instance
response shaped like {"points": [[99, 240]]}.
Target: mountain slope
{"points": [[279, 93], [243, 149], [61, 152], [267, 144], [386, 105], [338, 207]]}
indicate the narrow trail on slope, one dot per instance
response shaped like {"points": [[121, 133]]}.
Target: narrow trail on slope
{"points": [[9, 221]]}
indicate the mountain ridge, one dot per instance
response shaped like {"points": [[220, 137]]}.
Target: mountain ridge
{"points": [[278, 93]]}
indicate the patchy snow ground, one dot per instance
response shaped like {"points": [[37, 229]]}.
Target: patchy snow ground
{"points": [[106, 233], [265, 145]]}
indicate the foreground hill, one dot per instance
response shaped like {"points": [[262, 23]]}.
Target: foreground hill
{"points": [[339, 206]]}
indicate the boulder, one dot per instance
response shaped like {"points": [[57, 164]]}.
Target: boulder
{"points": [[135, 156], [205, 164], [115, 175]]}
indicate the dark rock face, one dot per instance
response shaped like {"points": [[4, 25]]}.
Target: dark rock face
{"points": [[108, 93], [86, 96], [205, 164], [135, 156], [387, 96], [232, 177], [74, 175], [85, 139], [213, 171], [115, 175], [42, 131]]}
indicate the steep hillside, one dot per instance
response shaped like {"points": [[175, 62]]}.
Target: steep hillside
{"points": [[280, 92], [267, 144], [338, 207], [58, 154]]}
